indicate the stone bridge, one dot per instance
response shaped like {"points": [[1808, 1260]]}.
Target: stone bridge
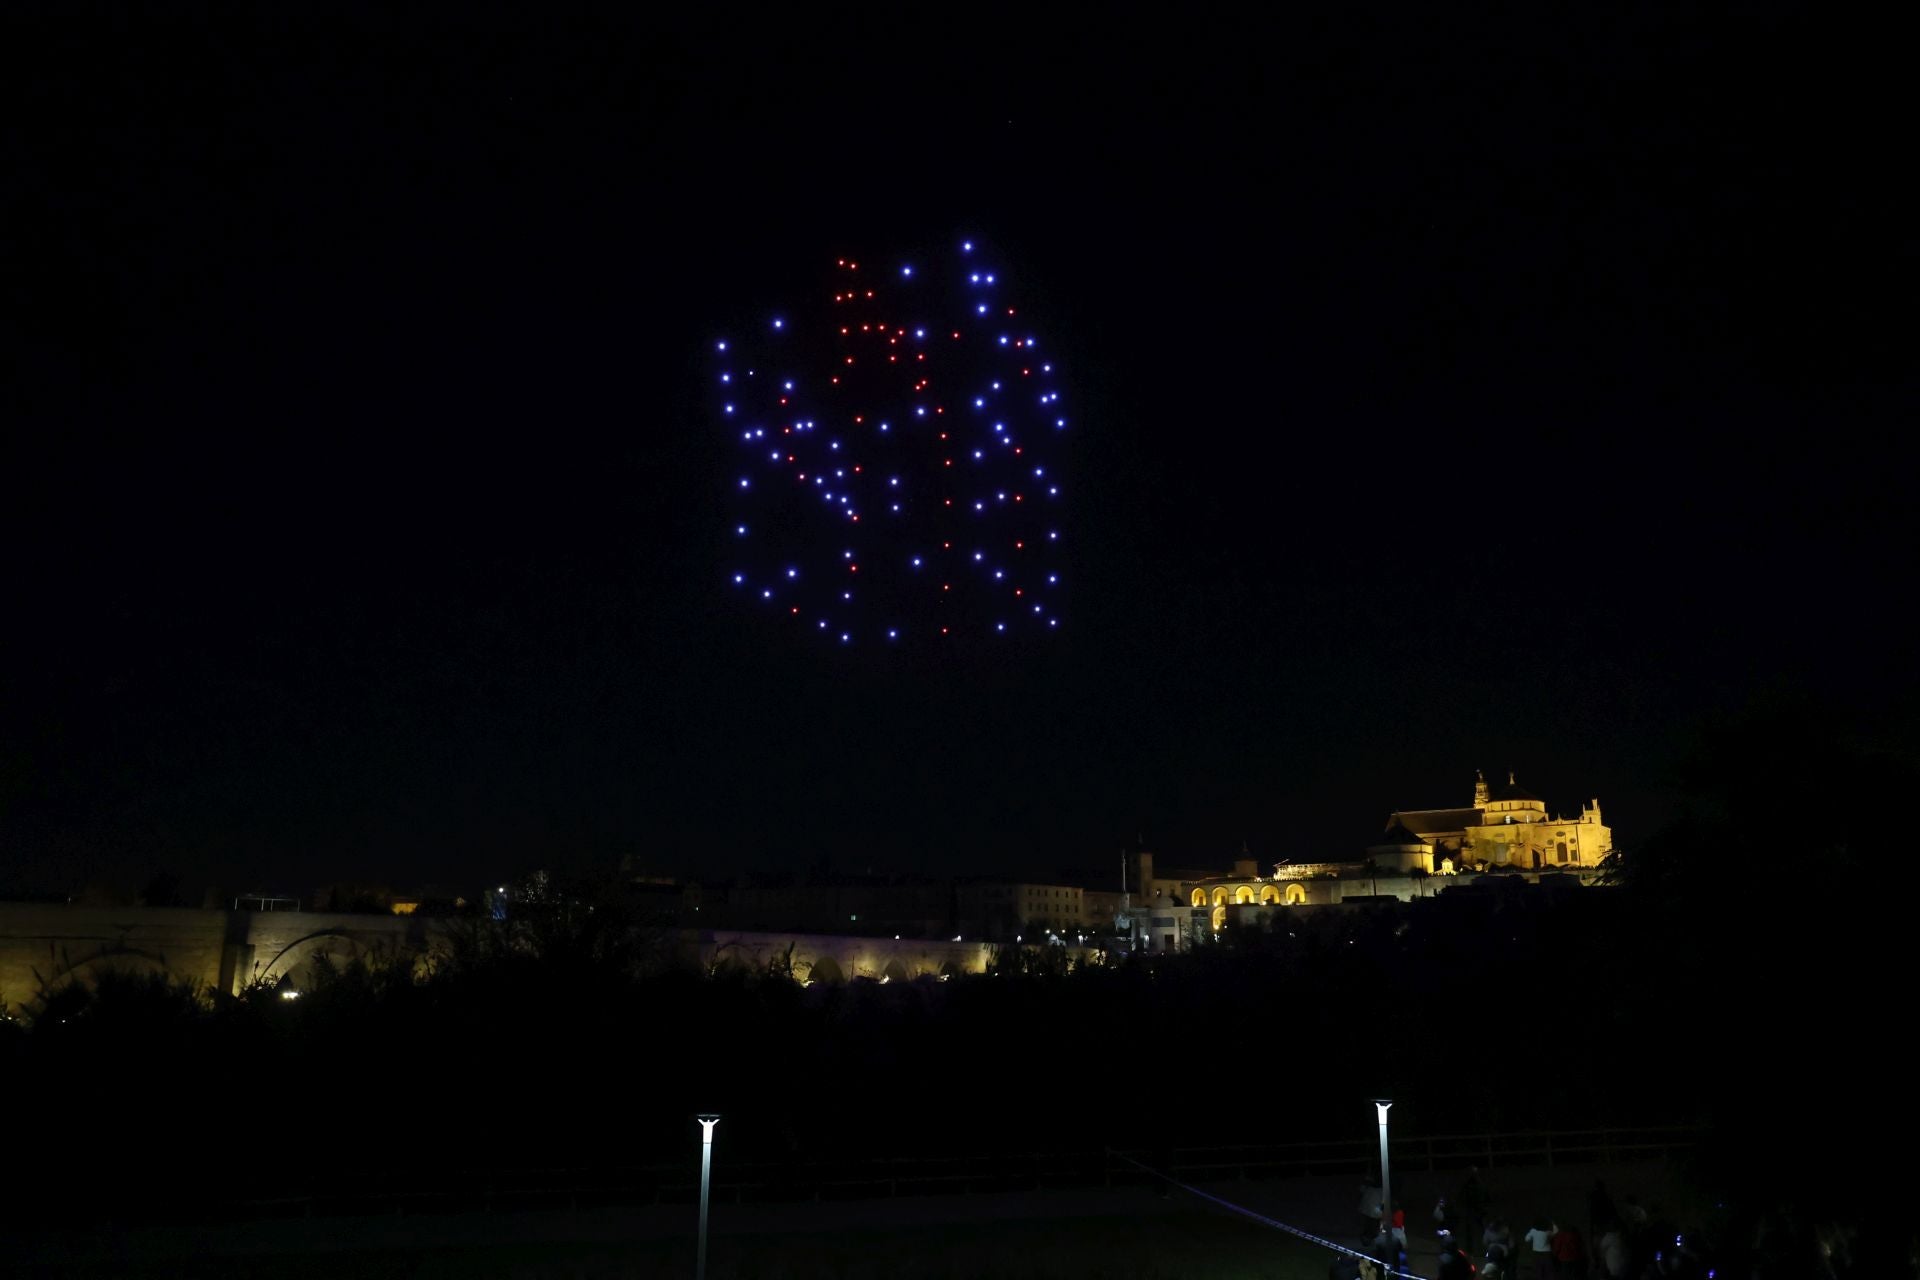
{"points": [[43, 947]]}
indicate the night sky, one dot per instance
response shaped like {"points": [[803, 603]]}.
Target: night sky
{"points": [[1449, 392]]}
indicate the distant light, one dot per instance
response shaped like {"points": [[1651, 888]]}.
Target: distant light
{"points": [[982, 308], [738, 578], [743, 482], [793, 573], [289, 994], [741, 530], [779, 324], [893, 635], [906, 271], [966, 246], [729, 408], [723, 346]]}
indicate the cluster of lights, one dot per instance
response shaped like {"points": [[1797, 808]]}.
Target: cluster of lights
{"points": [[895, 486]]}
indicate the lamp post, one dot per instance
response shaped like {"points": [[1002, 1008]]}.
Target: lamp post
{"points": [[707, 1121], [1380, 1105]]}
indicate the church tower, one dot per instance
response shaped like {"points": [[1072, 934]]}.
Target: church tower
{"points": [[1479, 789]]}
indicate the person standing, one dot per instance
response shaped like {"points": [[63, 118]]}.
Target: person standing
{"points": [[1540, 1250], [1370, 1227], [1611, 1253], [1496, 1247], [1569, 1254]]}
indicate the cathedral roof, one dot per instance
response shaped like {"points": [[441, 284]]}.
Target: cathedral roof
{"points": [[1509, 790], [1424, 821], [1398, 834]]}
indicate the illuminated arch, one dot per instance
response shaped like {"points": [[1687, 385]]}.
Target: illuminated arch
{"points": [[124, 958], [1219, 918], [1296, 895], [335, 945], [825, 969], [1244, 894], [894, 971], [1220, 896], [1269, 894], [1199, 897]]}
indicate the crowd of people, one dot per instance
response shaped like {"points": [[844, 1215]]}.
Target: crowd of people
{"points": [[1622, 1240]]}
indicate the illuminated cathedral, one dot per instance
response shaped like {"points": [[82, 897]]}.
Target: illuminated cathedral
{"points": [[1506, 825], [1422, 852]]}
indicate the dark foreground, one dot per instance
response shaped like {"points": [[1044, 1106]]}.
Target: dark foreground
{"points": [[1124, 1233]]}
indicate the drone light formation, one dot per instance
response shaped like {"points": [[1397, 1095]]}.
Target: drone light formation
{"points": [[897, 480]]}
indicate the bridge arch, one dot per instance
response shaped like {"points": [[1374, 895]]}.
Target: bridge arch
{"points": [[111, 957], [825, 969], [295, 960]]}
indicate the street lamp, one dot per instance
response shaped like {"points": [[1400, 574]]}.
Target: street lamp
{"points": [[707, 1121], [1380, 1105]]}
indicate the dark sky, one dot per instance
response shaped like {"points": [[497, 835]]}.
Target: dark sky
{"points": [[1456, 392]]}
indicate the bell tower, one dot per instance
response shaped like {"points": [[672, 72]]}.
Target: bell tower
{"points": [[1479, 789]]}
